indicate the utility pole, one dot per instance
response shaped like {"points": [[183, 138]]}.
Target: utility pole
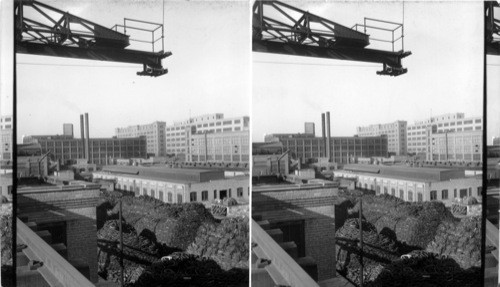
{"points": [[361, 241], [121, 244]]}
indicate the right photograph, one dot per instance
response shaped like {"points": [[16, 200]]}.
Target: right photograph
{"points": [[492, 178], [367, 144]]}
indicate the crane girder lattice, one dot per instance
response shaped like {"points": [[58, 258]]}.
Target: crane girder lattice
{"points": [[492, 27], [290, 31], [48, 31]]}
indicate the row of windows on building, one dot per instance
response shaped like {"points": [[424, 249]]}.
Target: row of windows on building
{"points": [[457, 193], [193, 195], [457, 123], [205, 125]]}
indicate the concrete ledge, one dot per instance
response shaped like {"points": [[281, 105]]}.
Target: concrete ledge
{"points": [[55, 267], [281, 262]]}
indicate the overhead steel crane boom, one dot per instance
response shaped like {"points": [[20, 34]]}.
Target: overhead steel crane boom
{"points": [[283, 29], [492, 28], [48, 31]]}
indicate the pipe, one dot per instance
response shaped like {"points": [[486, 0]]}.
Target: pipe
{"points": [[323, 132], [328, 137], [87, 136], [82, 133]]}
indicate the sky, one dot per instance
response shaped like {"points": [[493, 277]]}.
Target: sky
{"points": [[212, 71], [493, 97], [208, 71], [445, 72]]}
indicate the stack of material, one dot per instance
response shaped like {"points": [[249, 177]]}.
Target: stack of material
{"points": [[377, 249], [225, 243], [460, 241], [182, 269], [174, 224], [219, 210], [414, 223], [458, 209], [139, 251], [420, 268]]}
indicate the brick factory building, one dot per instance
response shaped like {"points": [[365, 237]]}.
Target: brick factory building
{"points": [[66, 149], [307, 147], [395, 132], [177, 185], [414, 184], [154, 133]]}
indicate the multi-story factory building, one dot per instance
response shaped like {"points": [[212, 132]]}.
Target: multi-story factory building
{"points": [[6, 137], [227, 147], [177, 134], [417, 133], [456, 146], [154, 133], [395, 132]]}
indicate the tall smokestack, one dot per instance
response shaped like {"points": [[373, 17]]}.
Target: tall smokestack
{"points": [[323, 132], [328, 136], [87, 136], [82, 133]]}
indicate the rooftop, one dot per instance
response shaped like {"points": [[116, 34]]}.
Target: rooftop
{"points": [[180, 175], [408, 173]]}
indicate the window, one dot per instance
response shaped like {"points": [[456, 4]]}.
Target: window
{"points": [[144, 191], [401, 194], [470, 191], [479, 190], [169, 197], [152, 193], [385, 189], [179, 198], [393, 191], [239, 191], [455, 193], [410, 195], [419, 197], [230, 193], [192, 196], [433, 195], [9, 189], [124, 187], [204, 195], [215, 193], [444, 194], [160, 195]]}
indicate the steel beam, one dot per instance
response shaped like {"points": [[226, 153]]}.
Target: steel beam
{"points": [[392, 59], [151, 59]]}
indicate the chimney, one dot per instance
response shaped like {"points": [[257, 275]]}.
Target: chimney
{"points": [[328, 136], [87, 137], [323, 132], [82, 133]]}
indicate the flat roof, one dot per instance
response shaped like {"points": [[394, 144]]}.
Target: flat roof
{"points": [[164, 173], [423, 174]]}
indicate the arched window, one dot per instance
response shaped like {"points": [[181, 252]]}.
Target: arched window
{"points": [[179, 198]]}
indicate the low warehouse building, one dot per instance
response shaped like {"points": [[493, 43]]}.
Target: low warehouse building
{"points": [[176, 185], [414, 183]]}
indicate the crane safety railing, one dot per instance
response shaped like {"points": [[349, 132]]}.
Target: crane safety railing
{"points": [[135, 25], [396, 31]]}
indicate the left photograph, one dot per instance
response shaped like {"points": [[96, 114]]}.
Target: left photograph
{"points": [[132, 135]]}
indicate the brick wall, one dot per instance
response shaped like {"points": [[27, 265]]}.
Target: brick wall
{"points": [[318, 208], [76, 205], [320, 245]]}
